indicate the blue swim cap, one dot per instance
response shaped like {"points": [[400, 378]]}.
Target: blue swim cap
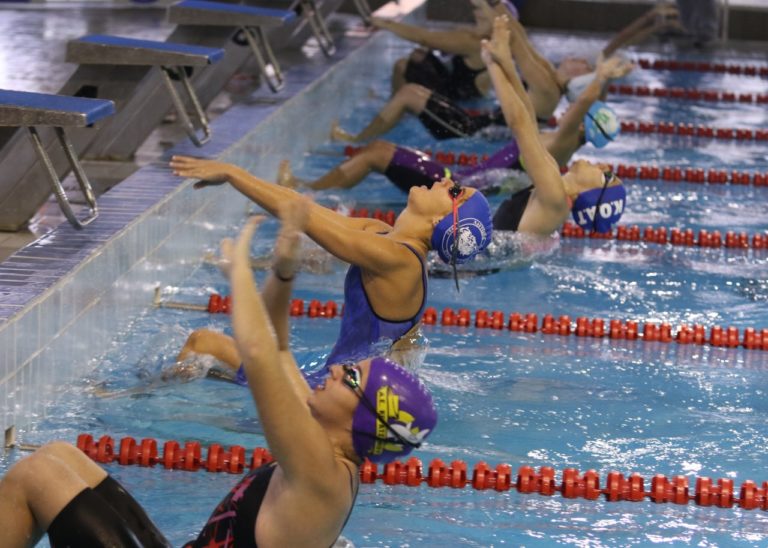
{"points": [[601, 125], [599, 209], [395, 414], [475, 227]]}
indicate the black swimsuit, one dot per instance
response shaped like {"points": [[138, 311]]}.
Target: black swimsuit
{"points": [[509, 213], [457, 83], [444, 119], [233, 522]]}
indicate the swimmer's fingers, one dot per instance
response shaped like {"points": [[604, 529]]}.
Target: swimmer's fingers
{"points": [[235, 252], [210, 171]]}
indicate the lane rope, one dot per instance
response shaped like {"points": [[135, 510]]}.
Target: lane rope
{"points": [[572, 484], [702, 66], [750, 338], [689, 94]]}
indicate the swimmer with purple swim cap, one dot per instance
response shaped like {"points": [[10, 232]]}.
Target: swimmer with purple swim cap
{"points": [[395, 414]]}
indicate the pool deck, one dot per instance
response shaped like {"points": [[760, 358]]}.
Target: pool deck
{"points": [[59, 306]]}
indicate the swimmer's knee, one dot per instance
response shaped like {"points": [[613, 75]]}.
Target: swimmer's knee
{"points": [[197, 339], [59, 449]]}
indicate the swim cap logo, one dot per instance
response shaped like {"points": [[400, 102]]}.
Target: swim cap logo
{"points": [[607, 210], [472, 238], [388, 408], [607, 120]]}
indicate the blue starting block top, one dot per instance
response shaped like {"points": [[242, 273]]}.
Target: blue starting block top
{"points": [[198, 12], [99, 48], [25, 109]]}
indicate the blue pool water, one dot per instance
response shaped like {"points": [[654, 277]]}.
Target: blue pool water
{"points": [[507, 397]]}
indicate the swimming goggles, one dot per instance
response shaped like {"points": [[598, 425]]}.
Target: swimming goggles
{"points": [[608, 177], [455, 191], [352, 378]]}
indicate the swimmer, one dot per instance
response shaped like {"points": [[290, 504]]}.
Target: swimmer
{"points": [[547, 83], [386, 285], [464, 76], [407, 167], [591, 193], [445, 119], [318, 437]]}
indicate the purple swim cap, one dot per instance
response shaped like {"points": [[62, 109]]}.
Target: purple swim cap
{"points": [[395, 413], [474, 228], [599, 209]]}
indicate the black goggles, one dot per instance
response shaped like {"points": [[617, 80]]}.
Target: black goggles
{"points": [[455, 191], [608, 177], [352, 378]]}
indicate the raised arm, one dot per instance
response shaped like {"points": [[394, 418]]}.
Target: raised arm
{"points": [[282, 409], [279, 283], [270, 196], [539, 164], [660, 17], [460, 41], [607, 70]]}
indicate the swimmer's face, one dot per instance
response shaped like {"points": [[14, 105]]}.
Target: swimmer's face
{"points": [[571, 67], [436, 202], [335, 399], [585, 175]]}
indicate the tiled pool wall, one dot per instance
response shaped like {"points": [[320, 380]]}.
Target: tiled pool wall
{"points": [[63, 298]]}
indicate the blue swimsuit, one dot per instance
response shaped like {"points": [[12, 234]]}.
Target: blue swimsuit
{"points": [[361, 327]]}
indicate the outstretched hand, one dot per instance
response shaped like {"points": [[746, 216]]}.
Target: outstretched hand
{"points": [[294, 216], [210, 172], [614, 67], [496, 50], [238, 252]]}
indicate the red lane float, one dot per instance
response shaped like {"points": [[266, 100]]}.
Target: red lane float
{"points": [[751, 338], [456, 475], [573, 484], [673, 236], [702, 66], [689, 94], [173, 456], [691, 130]]}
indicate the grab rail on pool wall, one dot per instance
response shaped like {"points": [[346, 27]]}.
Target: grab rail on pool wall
{"points": [[573, 484]]}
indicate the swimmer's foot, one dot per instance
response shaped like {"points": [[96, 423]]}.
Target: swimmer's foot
{"points": [[340, 134], [285, 175]]}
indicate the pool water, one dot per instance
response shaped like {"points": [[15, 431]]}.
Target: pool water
{"points": [[510, 397]]}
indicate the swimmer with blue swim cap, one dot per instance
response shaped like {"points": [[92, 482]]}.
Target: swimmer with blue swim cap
{"points": [[601, 125], [590, 192], [466, 231]]}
